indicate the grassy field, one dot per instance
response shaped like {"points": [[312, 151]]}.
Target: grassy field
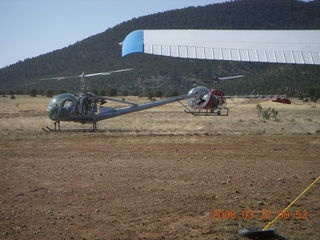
{"points": [[158, 174], [27, 115]]}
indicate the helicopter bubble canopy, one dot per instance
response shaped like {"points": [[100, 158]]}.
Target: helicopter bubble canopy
{"points": [[198, 90], [60, 100], [196, 95], [60, 105]]}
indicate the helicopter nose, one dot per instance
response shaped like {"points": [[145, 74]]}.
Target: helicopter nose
{"points": [[53, 113]]}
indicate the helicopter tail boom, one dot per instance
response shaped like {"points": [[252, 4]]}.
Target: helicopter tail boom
{"points": [[139, 107]]}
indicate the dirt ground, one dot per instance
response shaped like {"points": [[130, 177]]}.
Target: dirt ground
{"points": [[139, 180]]}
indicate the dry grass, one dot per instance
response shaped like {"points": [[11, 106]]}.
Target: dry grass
{"points": [[27, 115]]}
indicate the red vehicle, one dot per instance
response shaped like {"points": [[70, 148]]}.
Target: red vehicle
{"points": [[281, 99]]}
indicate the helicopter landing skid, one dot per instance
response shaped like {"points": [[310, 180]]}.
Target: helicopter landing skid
{"points": [[50, 130], [209, 113], [220, 111], [58, 129]]}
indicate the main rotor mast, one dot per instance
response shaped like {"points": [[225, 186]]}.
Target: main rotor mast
{"points": [[83, 85]]}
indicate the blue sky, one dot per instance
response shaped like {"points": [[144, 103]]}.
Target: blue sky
{"points": [[33, 27]]}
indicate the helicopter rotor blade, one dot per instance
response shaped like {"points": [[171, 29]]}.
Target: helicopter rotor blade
{"points": [[59, 78], [107, 73], [97, 74], [87, 75], [231, 77]]}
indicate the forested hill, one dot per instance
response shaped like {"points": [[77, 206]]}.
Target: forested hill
{"points": [[102, 52]]}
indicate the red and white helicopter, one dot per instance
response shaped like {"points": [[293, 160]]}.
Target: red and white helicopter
{"points": [[209, 102], [212, 102]]}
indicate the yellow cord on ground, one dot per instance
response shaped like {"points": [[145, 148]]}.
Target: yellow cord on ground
{"points": [[270, 223]]}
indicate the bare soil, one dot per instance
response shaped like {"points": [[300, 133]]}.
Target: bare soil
{"points": [[91, 186]]}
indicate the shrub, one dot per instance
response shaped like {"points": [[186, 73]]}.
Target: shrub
{"points": [[33, 92], [49, 93], [267, 113], [125, 93], [150, 96], [158, 94], [102, 92], [135, 93], [111, 92]]}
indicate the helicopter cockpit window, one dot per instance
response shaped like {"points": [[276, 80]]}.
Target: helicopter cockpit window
{"points": [[68, 104], [61, 105], [198, 96], [63, 100]]}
